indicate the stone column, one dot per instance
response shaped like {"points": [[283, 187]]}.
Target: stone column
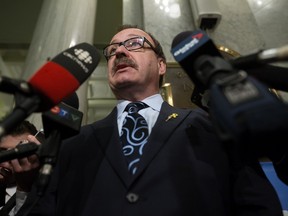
{"points": [[133, 12], [61, 24]]}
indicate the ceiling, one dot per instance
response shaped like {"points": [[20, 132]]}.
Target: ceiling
{"points": [[18, 20]]}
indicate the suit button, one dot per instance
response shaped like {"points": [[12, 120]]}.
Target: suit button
{"points": [[132, 197]]}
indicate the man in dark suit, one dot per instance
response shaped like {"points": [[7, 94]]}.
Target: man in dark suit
{"points": [[183, 168]]}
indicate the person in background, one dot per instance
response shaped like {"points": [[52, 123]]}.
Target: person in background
{"points": [[182, 168], [18, 175]]}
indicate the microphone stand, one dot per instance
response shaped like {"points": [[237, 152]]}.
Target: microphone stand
{"points": [[48, 157], [13, 86], [24, 106]]}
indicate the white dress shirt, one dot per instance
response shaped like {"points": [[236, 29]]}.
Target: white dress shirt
{"points": [[20, 199], [150, 114]]}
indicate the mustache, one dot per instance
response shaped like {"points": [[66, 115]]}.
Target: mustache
{"points": [[125, 61]]}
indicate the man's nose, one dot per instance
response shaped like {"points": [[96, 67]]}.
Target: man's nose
{"points": [[121, 51]]}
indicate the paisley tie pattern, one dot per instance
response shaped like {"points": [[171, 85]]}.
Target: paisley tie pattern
{"points": [[134, 135]]}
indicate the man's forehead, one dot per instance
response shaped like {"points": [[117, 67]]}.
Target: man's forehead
{"points": [[127, 33]]}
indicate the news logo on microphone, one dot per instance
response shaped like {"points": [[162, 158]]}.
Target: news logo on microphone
{"points": [[65, 113], [81, 56], [64, 118], [187, 43], [187, 46]]}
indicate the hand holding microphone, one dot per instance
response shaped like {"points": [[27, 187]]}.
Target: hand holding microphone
{"points": [[26, 168], [29, 156]]}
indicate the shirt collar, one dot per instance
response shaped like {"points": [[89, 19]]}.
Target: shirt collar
{"points": [[154, 101], [10, 190]]}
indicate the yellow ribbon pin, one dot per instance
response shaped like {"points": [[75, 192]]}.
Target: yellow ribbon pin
{"points": [[173, 115]]}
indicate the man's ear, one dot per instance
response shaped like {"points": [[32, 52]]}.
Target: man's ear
{"points": [[162, 67]]}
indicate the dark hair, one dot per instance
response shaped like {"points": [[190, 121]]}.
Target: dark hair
{"points": [[24, 127], [158, 47]]}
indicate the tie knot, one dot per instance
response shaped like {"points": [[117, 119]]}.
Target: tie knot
{"points": [[135, 107]]}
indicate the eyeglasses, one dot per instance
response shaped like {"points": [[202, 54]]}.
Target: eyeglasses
{"points": [[130, 44]]}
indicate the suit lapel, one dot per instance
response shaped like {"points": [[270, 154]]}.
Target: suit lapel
{"points": [[110, 143], [168, 120], [8, 206]]}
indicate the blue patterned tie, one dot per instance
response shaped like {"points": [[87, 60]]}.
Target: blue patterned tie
{"points": [[134, 135]]}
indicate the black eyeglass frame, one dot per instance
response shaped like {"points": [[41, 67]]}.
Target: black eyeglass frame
{"points": [[144, 39]]}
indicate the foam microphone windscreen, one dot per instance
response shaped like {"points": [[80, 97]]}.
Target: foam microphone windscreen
{"points": [[72, 100], [187, 47], [63, 75]]}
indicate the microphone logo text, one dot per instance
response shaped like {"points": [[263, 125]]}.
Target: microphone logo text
{"points": [[195, 40], [64, 114], [81, 57]]}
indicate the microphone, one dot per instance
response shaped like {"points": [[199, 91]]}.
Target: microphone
{"points": [[60, 122], [72, 100], [64, 117], [243, 109], [54, 81], [12, 86], [260, 57], [188, 46], [256, 65], [20, 151], [274, 76]]}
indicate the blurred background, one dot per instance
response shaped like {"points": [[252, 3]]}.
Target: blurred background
{"points": [[33, 31]]}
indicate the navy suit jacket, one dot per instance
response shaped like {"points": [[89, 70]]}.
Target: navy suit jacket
{"points": [[185, 170]]}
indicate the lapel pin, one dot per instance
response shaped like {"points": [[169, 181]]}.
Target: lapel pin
{"points": [[173, 115]]}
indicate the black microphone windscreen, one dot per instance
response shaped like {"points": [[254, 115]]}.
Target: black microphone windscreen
{"points": [[72, 100], [180, 37], [187, 47], [63, 75]]}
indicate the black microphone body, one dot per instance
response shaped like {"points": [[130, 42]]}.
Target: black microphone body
{"points": [[273, 76], [258, 65], [60, 122], [20, 151], [243, 110], [248, 113], [262, 57], [63, 118], [200, 59], [187, 47], [12, 86]]}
